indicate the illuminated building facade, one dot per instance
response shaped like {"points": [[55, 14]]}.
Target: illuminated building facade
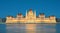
{"points": [[31, 18]]}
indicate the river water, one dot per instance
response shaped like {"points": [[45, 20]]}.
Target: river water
{"points": [[30, 28]]}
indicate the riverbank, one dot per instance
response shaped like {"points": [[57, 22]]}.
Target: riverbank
{"points": [[29, 23], [2, 23]]}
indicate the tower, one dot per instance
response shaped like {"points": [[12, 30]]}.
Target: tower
{"points": [[9, 18], [30, 14], [35, 14], [42, 16], [52, 19], [19, 16], [26, 14]]}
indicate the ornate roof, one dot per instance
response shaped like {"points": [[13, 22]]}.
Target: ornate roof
{"points": [[41, 13], [9, 16], [19, 14], [52, 16], [30, 9]]}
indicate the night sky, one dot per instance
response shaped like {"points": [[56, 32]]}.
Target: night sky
{"points": [[13, 7]]}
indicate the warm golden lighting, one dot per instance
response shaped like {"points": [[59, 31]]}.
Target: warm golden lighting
{"points": [[31, 18], [30, 28]]}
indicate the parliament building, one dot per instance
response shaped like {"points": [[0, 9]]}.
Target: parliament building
{"points": [[30, 18]]}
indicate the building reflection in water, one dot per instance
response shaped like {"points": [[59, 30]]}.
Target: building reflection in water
{"points": [[31, 28], [45, 28]]}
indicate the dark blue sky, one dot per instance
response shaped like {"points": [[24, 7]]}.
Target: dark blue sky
{"points": [[13, 7]]}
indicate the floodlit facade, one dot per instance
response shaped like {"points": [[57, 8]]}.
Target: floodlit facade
{"points": [[31, 18]]}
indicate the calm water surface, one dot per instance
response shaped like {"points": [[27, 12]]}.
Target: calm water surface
{"points": [[29, 28]]}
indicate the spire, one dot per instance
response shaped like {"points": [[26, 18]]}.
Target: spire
{"points": [[35, 13], [26, 13]]}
